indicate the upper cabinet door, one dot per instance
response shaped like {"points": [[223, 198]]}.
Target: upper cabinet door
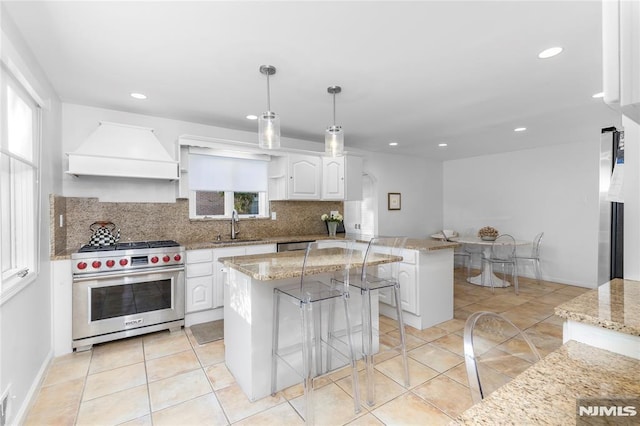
{"points": [[304, 177], [333, 178], [621, 56]]}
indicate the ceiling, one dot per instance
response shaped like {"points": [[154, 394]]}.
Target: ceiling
{"points": [[419, 73]]}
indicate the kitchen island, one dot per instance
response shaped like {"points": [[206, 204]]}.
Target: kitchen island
{"points": [[548, 391], [248, 312], [607, 317]]}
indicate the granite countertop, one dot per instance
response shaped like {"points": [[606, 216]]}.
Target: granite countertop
{"points": [[546, 392], [277, 266], [423, 244], [614, 306]]}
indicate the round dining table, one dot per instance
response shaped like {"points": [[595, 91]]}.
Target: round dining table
{"points": [[486, 251]]}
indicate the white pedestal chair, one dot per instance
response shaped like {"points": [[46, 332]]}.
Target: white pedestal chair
{"points": [[313, 295], [380, 277], [534, 256], [496, 349], [503, 253]]}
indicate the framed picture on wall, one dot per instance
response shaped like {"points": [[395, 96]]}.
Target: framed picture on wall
{"points": [[393, 199]]}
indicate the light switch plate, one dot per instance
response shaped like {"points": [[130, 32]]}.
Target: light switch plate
{"points": [[334, 212], [273, 215]]}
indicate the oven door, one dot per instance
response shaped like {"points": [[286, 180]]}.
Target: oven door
{"points": [[108, 303]]}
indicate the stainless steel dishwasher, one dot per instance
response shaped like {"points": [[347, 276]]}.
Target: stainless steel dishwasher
{"points": [[298, 245]]}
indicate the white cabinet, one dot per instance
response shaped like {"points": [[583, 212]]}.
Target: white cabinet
{"points": [[205, 276], [295, 177], [621, 56], [426, 287], [199, 280], [221, 272], [342, 178], [61, 295], [408, 277]]}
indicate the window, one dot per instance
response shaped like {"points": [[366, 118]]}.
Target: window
{"points": [[220, 184], [19, 186]]}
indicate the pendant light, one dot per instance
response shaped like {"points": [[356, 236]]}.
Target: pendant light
{"points": [[268, 122], [334, 136]]}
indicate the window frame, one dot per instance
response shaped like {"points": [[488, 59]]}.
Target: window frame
{"points": [[15, 280], [229, 201]]}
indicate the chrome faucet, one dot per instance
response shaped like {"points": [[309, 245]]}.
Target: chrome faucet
{"points": [[235, 224]]}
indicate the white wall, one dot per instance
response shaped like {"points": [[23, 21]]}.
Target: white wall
{"points": [[551, 189], [79, 121], [25, 319], [419, 182]]}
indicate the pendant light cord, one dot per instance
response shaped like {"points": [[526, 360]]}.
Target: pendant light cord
{"points": [[268, 95], [334, 109]]}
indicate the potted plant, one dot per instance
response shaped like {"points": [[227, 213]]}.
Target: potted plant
{"points": [[332, 222]]}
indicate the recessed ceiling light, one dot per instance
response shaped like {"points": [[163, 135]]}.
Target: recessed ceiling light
{"points": [[598, 95], [550, 52], [393, 143], [252, 117], [519, 129], [138, 95], [442, 144]]}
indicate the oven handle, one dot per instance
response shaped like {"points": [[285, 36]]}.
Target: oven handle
{"points": [[90, 277]]}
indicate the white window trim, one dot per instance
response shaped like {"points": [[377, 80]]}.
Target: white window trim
{"points": [[14, 284], [228, 210]]}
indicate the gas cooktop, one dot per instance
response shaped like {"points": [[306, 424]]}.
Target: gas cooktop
{"points": [[129, 246], [128, 256]]}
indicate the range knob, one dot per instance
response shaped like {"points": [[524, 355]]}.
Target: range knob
{"points": [[166, 258], [177, 258], [82, 265], [96, 264], [123, 262], [154, 259], [110, 263]]}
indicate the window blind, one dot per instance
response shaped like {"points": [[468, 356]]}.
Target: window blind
{"points": [[213, 173]]}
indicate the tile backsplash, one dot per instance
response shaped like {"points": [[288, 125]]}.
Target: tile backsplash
{"points": [[170, 221]]}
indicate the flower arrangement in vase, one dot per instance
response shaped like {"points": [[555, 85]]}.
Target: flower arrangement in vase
{"points": [[332, 222]]}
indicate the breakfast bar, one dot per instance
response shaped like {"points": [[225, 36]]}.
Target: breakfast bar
{"points": [[248, 311]]}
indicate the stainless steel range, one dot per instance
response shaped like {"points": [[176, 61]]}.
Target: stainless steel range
{"points": [[126, 289]]}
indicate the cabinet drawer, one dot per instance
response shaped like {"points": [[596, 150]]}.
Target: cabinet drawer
{"points": [[197, 256], [199, 269]]}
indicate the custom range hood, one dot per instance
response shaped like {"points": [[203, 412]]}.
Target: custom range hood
{"points": [[121, 150]]}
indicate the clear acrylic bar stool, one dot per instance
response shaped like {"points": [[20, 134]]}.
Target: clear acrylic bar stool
{"points": [[315, 291], [380, 277]]}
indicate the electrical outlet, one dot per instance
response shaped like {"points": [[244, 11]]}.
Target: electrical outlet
{"points": [[4, 407], [273, 216]]}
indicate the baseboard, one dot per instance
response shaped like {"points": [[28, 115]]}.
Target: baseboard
{"points": [[30, 398], [203, 316]]}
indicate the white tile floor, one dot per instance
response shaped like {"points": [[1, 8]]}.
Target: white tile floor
{"points": [[168, 379]]}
